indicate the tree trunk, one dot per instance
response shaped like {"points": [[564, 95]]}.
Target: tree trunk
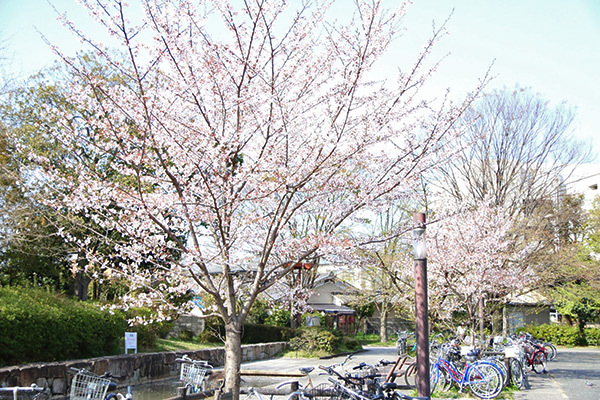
{"points": [[233, 358], [472, 331], [383, 324], [581, 325], [82, 283], [504, 322], [481, 322]]}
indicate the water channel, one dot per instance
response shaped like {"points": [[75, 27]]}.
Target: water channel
{"points": [[169, 388], [156, 390]]}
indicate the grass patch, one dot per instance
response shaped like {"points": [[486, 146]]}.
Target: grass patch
{"points": [[304, 354], [506, 394], [176, 344], [374, 340]]}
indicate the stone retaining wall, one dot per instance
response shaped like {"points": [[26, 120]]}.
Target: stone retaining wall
{"points": [[126, 369]]}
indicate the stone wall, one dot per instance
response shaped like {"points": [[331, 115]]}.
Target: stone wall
{"points": [[126, 369]]}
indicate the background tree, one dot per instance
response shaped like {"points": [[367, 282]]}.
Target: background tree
{"points": [[517, 149], [591, 241], [468, 249], [385, 270], [574, 285], [30, 247], [213, 143], [36, 240]]}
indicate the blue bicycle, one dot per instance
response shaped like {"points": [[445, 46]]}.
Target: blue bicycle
{"points": [[484, 379]]}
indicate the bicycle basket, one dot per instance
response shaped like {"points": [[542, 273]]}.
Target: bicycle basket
{"points": [[401, 346], [364, 373], [193, 374], [513, 351], [88, 386], [323, 391]]}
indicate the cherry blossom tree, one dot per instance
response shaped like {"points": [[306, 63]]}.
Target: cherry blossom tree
{"points": [[214, 128], [470, 258]]}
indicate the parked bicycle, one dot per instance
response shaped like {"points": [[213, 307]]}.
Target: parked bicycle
{"points": [[35, 392], [401, 342], [87, 385], [345, 388], [323, 391], [536, 357], [194, 374], [484, 379]]}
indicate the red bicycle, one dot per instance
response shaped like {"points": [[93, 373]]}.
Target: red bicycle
{"points": [[536, 357]]}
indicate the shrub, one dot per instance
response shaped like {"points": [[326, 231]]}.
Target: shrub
{"points": [[351, 343], [258, 312], [255, 333], [562, 335], [40, 326], [315, 339], [592, 336]]}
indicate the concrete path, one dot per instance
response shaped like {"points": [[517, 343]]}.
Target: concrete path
{"points": [[573, 375]]}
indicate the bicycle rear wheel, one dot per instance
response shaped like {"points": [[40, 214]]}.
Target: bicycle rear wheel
{"points": [[410, 376], [485, 380], [551, 349], [539, 361], [501, 366]]}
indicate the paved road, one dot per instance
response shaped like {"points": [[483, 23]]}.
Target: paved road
{"points": [[574, 375]]}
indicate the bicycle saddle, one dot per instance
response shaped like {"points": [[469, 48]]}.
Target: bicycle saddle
{"points": [[474, 352], [306, 370]]}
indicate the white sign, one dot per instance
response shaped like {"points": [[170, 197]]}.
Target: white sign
{"points": [[131, 341]]}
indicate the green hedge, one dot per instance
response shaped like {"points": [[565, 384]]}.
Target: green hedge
{"points": [[39, 326], [564, 335], [592, 336]]}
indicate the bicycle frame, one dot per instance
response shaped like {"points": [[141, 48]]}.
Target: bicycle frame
{"points": [[529, 355], [459, 378]]}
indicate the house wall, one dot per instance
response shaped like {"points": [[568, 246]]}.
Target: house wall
{"points": [[323, 294], [520, 315], [395, 323]]}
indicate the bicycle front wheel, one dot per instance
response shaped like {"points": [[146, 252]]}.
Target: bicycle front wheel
{"points": [[539, 361], [445, 381], [434, 377], [516, 372], [438, 378], [484, 380]]}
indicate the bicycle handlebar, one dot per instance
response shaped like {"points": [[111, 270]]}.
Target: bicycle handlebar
{"points": [[332, 371], [360, 366], [186, 359], [32, 388]]}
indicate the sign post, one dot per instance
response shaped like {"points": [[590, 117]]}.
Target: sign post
{"points": [[131, 341]]}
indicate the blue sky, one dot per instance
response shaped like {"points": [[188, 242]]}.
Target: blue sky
{"points": [[552, 46]]}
